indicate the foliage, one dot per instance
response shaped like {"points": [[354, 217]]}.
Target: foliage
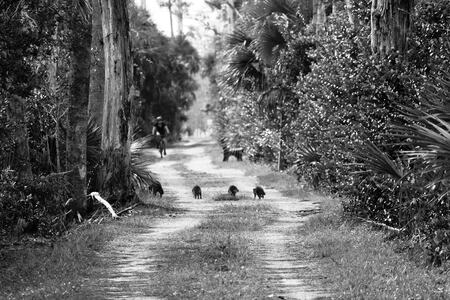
{"points": [[33, 206], [372, 130], [163, 71], [141, 177]]}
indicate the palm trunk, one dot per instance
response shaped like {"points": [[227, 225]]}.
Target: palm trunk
{"points": [[171, 19], [78, 105], [390, 23], [97, 83], [116, 129]]}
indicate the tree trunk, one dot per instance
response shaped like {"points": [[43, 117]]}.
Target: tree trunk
{"points": [[349, 9], [80, 42], [22, 150], [97, 83], [171, 19], [180, 12], [390, 23], [319, 15], [116, 129]]}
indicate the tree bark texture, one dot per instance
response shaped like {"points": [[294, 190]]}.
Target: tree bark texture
{"points": [[22, 150], [116, 125], [390, 23], [97, 83], [80, 30], [319, 15]]}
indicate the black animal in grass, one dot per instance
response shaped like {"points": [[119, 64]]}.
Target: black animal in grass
{"points": [[197, 192], [232, 190], [258, 191], [156, 188]]}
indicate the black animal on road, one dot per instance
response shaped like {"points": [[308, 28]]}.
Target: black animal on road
{"points": [[258, 191], [197, 192], [232, 190], [156, 188]]}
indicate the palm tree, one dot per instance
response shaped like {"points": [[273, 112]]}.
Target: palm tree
{"points": [[253, 51]]}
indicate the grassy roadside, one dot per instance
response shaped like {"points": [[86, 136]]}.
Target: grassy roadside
{"points": [[56, 269], [352, 259], [362, 263], [215, 260]]}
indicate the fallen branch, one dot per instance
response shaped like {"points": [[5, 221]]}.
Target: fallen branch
{"points": [[387, 227], [59, 174], [97, 197], [127, 209]]}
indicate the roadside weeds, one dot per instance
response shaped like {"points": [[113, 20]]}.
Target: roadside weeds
{"points": [[357, 261], [57, 268]]}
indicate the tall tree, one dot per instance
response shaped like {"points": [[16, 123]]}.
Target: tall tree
{"points": [[390, 23], [180, 11], [79, 25], [97, 84], [169, 5], [116, 129]]}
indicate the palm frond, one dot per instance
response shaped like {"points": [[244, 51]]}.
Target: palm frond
{"points": [[267, 7], [436, 98], [238, 38], [269, 41], [242, 70], [379, 162], [432, 146], [307, 154], [141, 176], [84, 7]]}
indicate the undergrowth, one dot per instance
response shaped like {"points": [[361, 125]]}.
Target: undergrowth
{"points": [[56, 269]]}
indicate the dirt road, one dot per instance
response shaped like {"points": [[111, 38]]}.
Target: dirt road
{"points": [[134, 259]]}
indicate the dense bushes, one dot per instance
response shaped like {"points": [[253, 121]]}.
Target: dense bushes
{"points": [[372, 130], [32, 206]]}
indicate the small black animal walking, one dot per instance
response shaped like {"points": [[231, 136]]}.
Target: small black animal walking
{"points": [[197, 192], [258, 191], [156, 188], [232, 190]]}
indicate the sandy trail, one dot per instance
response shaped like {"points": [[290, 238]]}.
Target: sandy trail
{"points": [[279, 263], [133, 259]]}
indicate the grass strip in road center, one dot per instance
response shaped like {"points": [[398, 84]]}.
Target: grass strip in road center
{"points": [[215, 260]]}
